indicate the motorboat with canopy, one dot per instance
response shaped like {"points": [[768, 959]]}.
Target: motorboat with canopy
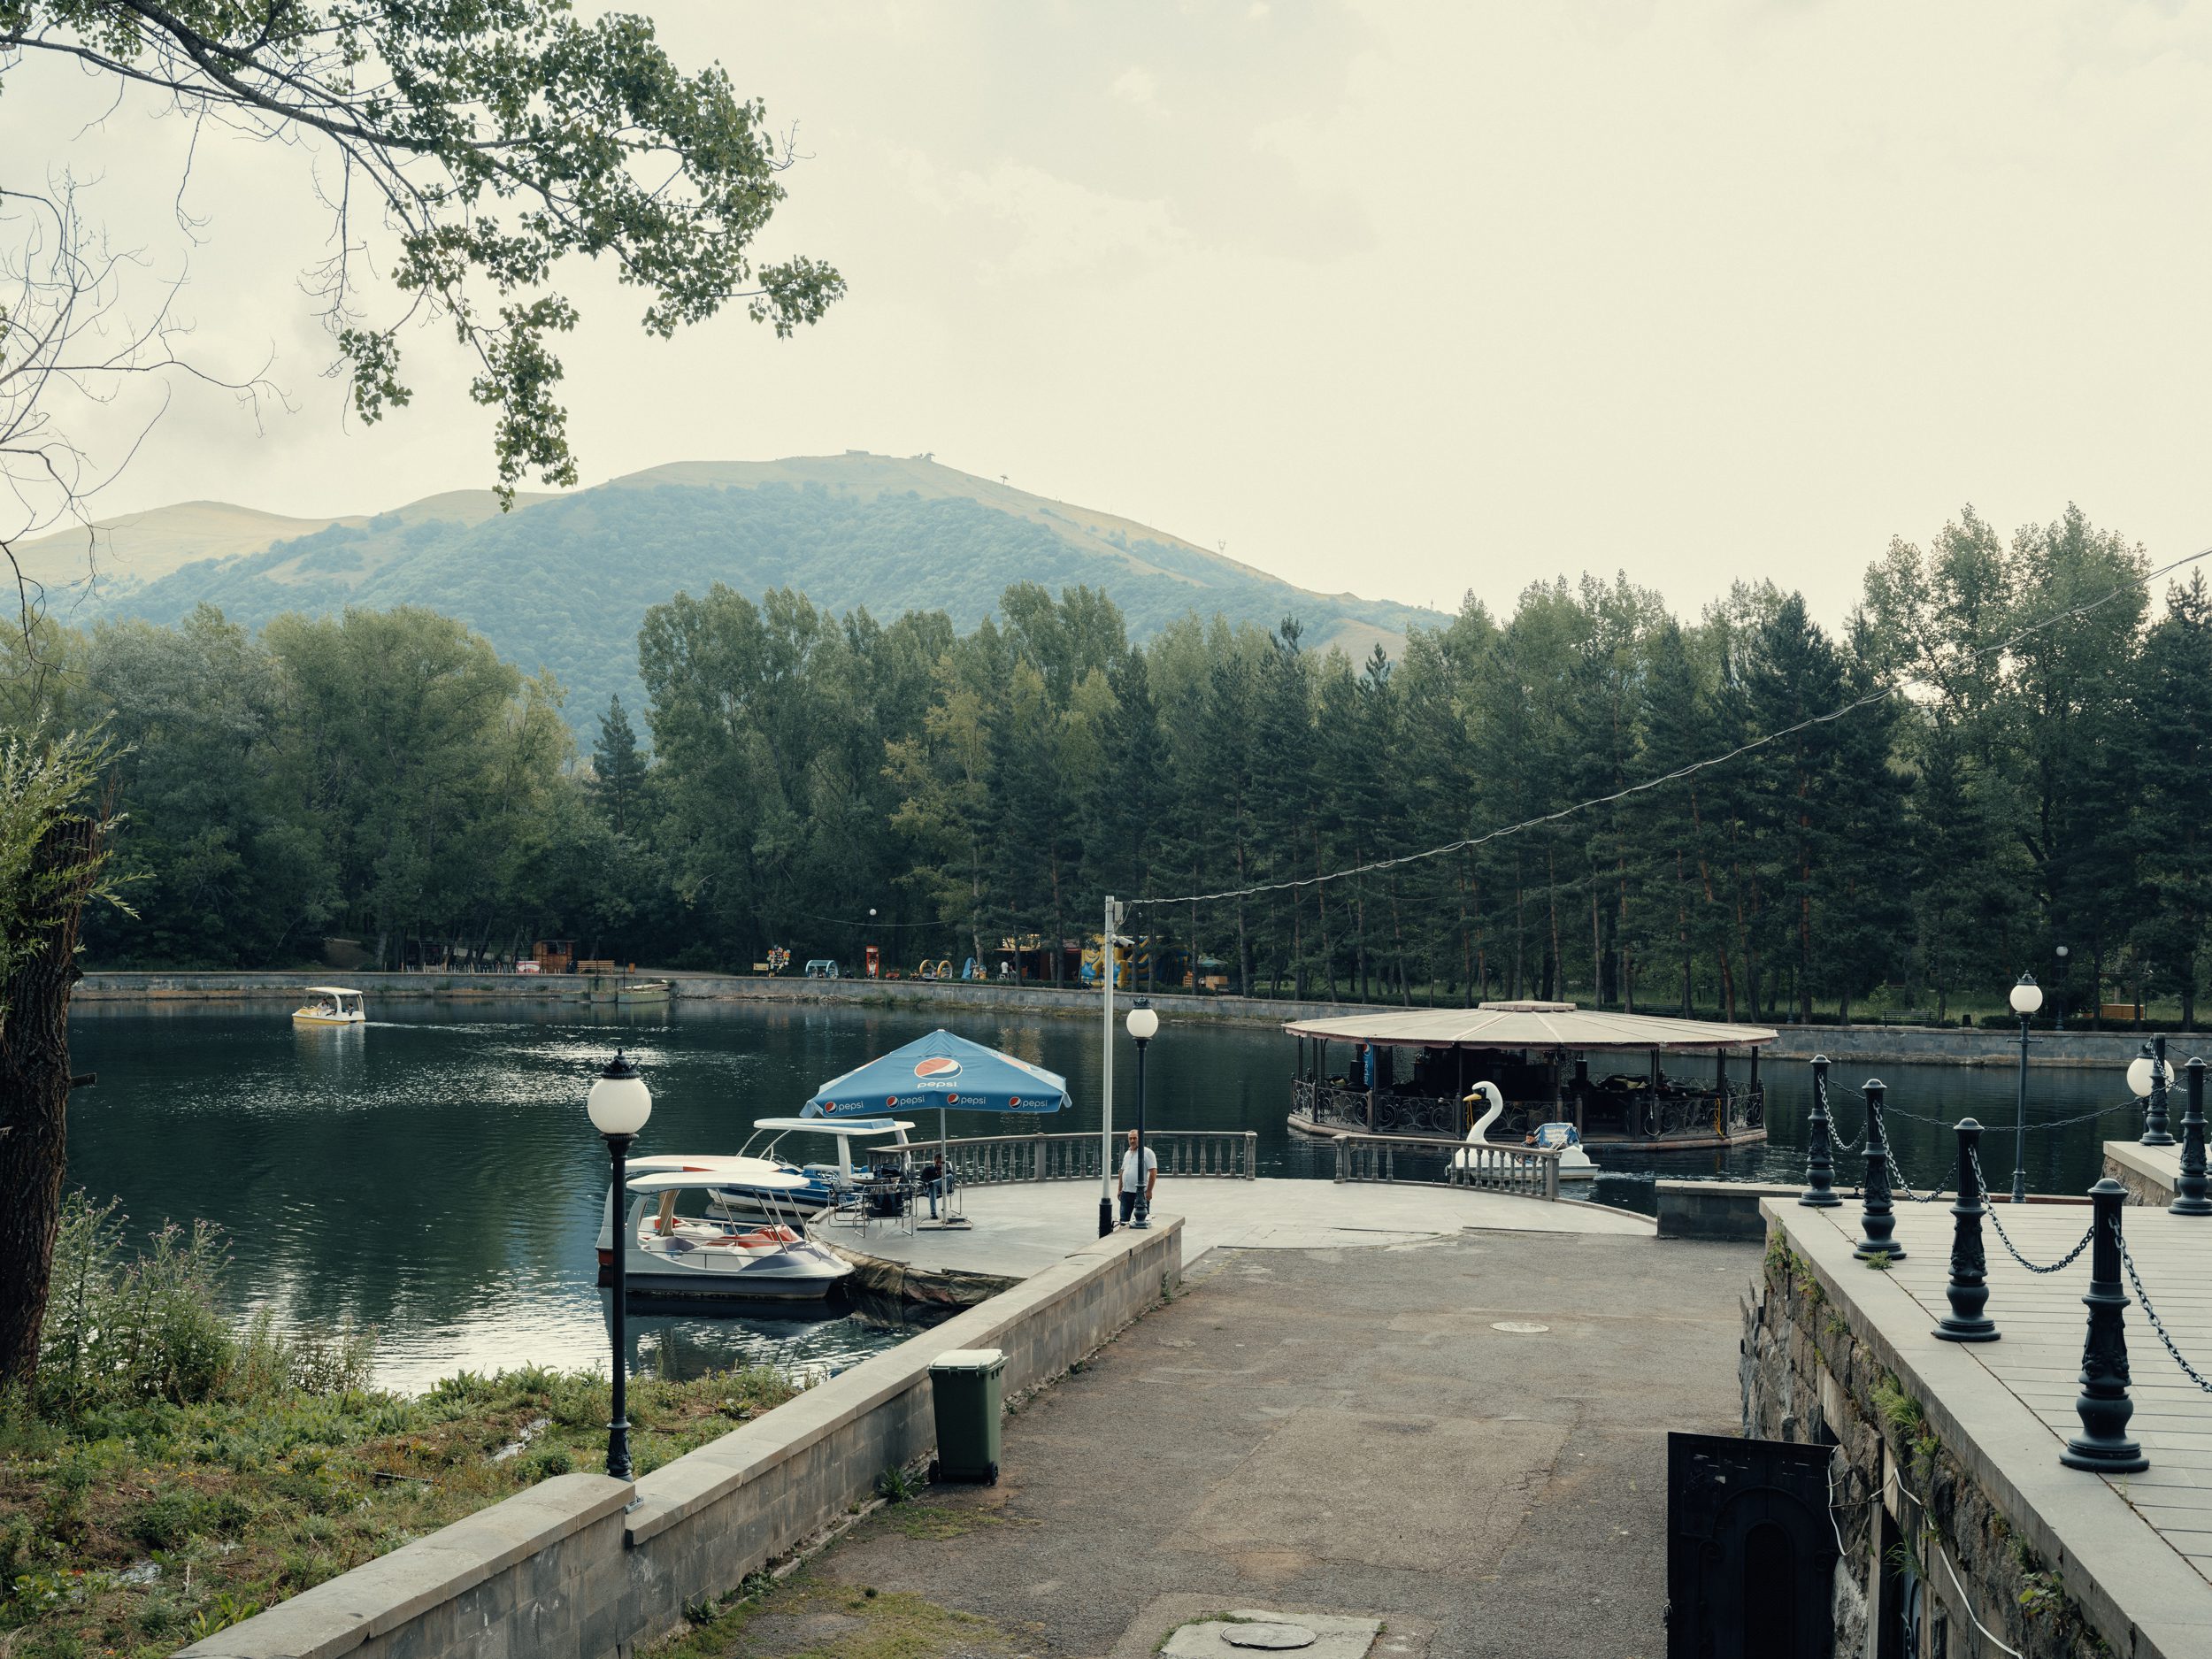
{"points": [[672, 1248], [1539, 1058], [827, 1184], [333, 1005]]}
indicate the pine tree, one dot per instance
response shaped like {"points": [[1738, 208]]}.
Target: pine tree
{"points": [[618, 769]]}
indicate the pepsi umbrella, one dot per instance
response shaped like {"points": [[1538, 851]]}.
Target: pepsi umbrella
{"points": [[942, 1071]]}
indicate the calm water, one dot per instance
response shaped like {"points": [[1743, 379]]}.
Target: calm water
{"points": [[433, 1174]]}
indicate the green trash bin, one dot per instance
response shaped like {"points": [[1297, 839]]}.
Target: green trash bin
{"points": [[964, 1388]]}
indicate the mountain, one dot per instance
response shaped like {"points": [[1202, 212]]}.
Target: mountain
{"points": [[563, 582]]}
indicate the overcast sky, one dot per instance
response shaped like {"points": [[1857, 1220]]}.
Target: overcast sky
{"points": [[1399, 298]]}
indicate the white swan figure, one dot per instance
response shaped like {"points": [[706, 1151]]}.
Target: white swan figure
{"points": [[1478, 1135], [1574, 1163]]}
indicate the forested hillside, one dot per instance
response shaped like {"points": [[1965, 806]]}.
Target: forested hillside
{"points": [[385, 775], [566, 584]]}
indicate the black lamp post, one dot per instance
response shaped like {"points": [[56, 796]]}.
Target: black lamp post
{"points": [[2058, 1008], [619, 1104], [2027, 997], [1142, 1024], [2148, 1073]]}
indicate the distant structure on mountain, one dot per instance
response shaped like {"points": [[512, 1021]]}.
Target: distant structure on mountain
{"points": [[562, 581]]}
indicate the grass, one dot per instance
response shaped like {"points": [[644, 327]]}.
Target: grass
{"points": [[240, 1503], [822, 1618], [173, 1476]]}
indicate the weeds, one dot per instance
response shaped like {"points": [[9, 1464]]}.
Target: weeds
{"points": [[173, 1475], [897, 1484]]}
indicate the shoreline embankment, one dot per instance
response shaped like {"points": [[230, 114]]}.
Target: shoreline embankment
{"points": [[120, 991]]}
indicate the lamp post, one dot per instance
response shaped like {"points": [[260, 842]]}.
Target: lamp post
{"points": [[1142, 1024], [2027, 997], [2148, 1074], [2058, 1008], [619, 1104]]}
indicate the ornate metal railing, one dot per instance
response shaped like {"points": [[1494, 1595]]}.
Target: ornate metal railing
{"points": [[1204, 1154], [1437, 1162], [1329, 1106]]}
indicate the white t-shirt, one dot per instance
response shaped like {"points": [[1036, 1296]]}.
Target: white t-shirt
{"points": [[1129, 1182]]}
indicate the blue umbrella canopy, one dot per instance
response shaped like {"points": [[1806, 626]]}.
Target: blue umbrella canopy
{"points": [[943, 1070]]}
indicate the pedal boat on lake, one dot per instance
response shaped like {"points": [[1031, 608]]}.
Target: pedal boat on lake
{"points": [[1538, 1056], [668, 1253], [333, 1005]]}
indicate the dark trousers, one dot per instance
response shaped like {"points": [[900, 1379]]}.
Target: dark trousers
{"points": [[1128, 1207]]}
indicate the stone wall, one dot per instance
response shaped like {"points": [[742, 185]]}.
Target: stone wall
{"points": [[1806, 1375], [1716, 1210], [571, 1569], [1858, 1044]]}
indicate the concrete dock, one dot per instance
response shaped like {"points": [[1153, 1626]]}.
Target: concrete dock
{"points": [[1019, 1229], [1461, 1435]]}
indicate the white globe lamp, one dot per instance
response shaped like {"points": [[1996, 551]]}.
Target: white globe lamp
{"points": [[620, 1102], [2027, 997], [2143, 1071]]}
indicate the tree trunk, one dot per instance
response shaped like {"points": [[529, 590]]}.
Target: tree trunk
{"points": [[34, 1099]]}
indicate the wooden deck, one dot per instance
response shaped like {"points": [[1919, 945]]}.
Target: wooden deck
{"points": [[2037, 1359]]}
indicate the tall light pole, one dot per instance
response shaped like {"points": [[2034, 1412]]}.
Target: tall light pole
{"points": [[1106, 1075], [2027, 997], [619, 1104], [2058, 1008], [1142, 1024]]}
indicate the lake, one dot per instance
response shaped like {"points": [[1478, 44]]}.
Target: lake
{"points": [[433, 1174]]}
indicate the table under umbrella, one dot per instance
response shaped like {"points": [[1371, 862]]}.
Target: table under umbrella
{"points": [[944, 1071]]}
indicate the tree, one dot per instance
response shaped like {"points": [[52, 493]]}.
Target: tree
{"points": [[617, 771], [496, 142], [53, 847]]}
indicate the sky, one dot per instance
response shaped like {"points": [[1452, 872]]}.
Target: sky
{"points": [[1403, 299]]}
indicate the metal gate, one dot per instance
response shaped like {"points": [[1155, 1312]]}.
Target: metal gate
{"points": [[1751, 1551]]}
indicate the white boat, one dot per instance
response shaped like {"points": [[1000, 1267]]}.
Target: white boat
{"points": [[826, 1184], [333, 1005], [1574, 1163], [666, 1253]]}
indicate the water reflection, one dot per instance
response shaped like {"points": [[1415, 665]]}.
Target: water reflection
{"points": [[433, 1175]]}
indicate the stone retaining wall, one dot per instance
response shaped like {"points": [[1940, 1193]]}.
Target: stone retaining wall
{"points": [[565, 1570], [1877, 1044], [1808, 1369]]}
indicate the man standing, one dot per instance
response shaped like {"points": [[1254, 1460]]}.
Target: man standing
{"points": [[1133, 1184]]}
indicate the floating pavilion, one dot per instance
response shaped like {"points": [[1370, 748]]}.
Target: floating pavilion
{"points": [[1538, 1055]]}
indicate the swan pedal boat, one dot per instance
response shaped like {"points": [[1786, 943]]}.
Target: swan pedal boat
{"points": [[1575, 1164], [666, 1254]]}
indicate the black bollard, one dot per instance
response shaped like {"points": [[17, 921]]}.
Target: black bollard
{"points": [[2190, 1191], [1820, 1163], [2155, 1133], [1969, 1289], [2103, 1444], [1878, 1222]]}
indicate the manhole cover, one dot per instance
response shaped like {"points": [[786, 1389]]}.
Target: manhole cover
{"points": [[1519, 1327], [1275, 1638]]}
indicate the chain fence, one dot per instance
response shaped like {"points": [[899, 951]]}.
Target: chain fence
{"points": [[2127, 1260], [1989, 1214]]}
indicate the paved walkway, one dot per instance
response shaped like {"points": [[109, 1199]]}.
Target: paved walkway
{"points": [[1464, 1438], [1025, 1226]]}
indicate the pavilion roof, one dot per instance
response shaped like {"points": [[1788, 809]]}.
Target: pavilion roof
{"points": [[1527, 1025]]}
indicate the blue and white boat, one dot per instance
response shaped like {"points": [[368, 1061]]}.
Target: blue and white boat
{"points": [[755, 1182]]}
